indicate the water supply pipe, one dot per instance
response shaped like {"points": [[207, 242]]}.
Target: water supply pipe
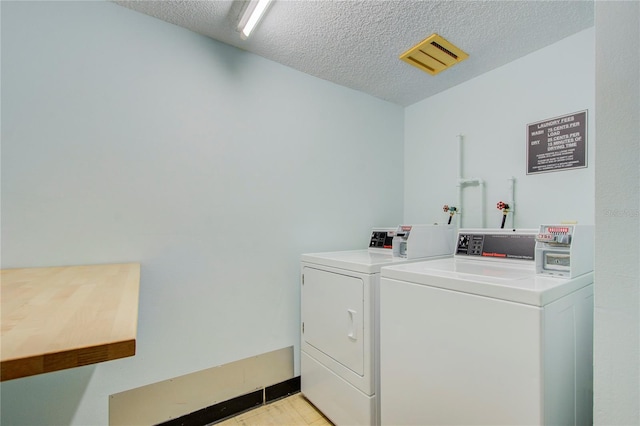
{"points": [[462, 182], [512, 202]]}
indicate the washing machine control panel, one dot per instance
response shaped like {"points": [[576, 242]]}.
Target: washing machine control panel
{"points": [[564, 250], [499, 244]]}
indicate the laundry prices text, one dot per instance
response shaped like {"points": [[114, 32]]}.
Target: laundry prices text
{"points": [[558, 143]]}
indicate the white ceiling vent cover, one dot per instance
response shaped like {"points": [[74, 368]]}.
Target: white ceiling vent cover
{"points": [[433, 55]]}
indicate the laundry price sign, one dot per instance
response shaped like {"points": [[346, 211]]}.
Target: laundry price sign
{"points": [[557, 144]]}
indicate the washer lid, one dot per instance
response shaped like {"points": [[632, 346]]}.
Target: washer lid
{"points": [[362, 261], [513, 282]]}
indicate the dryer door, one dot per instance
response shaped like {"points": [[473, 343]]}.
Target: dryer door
{"points": [[332, 314]]}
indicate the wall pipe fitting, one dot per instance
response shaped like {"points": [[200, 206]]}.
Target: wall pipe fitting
{"points": [[462, 182]]}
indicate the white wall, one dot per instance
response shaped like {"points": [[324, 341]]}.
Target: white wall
{"points": [[617, 287], [127, 139], [492, 112]]}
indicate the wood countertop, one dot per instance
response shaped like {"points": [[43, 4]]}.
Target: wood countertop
{"points": [[63, 317]]}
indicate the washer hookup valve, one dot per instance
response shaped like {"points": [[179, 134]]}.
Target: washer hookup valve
{"points": [[505, 210], [452, 210]]}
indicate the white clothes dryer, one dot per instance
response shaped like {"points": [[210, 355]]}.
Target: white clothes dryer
{"points": [[339, 309], [482, 339]]}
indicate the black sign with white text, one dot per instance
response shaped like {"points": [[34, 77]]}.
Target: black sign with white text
{"points": [[557, 144]]}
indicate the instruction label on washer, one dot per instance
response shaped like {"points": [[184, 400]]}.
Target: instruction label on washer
{"points": [[557, 144]]}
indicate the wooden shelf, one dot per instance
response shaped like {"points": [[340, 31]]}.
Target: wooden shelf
{"points": [[65, 317]]}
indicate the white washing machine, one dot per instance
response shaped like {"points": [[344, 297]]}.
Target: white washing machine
{"points": [[483, 338], [340, 293]]}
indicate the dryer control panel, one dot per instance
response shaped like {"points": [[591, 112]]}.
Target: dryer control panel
{"points": [[417, 241], [413, 241], [381, 240], [564, 250]]}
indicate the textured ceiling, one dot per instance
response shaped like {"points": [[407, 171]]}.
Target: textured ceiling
{"points": [[357, 43]]}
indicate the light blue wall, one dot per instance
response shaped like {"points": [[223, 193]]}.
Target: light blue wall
{"points": [[616, 373], [128, 139], [492, 112]]}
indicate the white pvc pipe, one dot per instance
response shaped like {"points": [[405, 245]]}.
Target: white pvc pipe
{"points": [[462, 182], [482, 204], [459, 157], [459, 182], [512, 201]]}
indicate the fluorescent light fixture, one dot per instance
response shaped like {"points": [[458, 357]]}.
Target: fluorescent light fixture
{"points": [[253, 13]]}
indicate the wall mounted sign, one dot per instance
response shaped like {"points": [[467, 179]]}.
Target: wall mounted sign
{"points": [[557, 143]]}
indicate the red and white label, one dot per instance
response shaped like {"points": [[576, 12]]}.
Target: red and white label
{"points": [[558, 230]]}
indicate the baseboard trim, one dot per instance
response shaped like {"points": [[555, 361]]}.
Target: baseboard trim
{"points": [[175, 397], [234, 406], [282, 389]]}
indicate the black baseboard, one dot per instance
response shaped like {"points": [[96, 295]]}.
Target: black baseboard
{"points": [[282, 389], [237, 405]]}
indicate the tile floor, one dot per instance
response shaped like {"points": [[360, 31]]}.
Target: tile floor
{"points": [[294, 410]]}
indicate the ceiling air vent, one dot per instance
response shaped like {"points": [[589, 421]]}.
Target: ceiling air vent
{"points": [[433, 54]]}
